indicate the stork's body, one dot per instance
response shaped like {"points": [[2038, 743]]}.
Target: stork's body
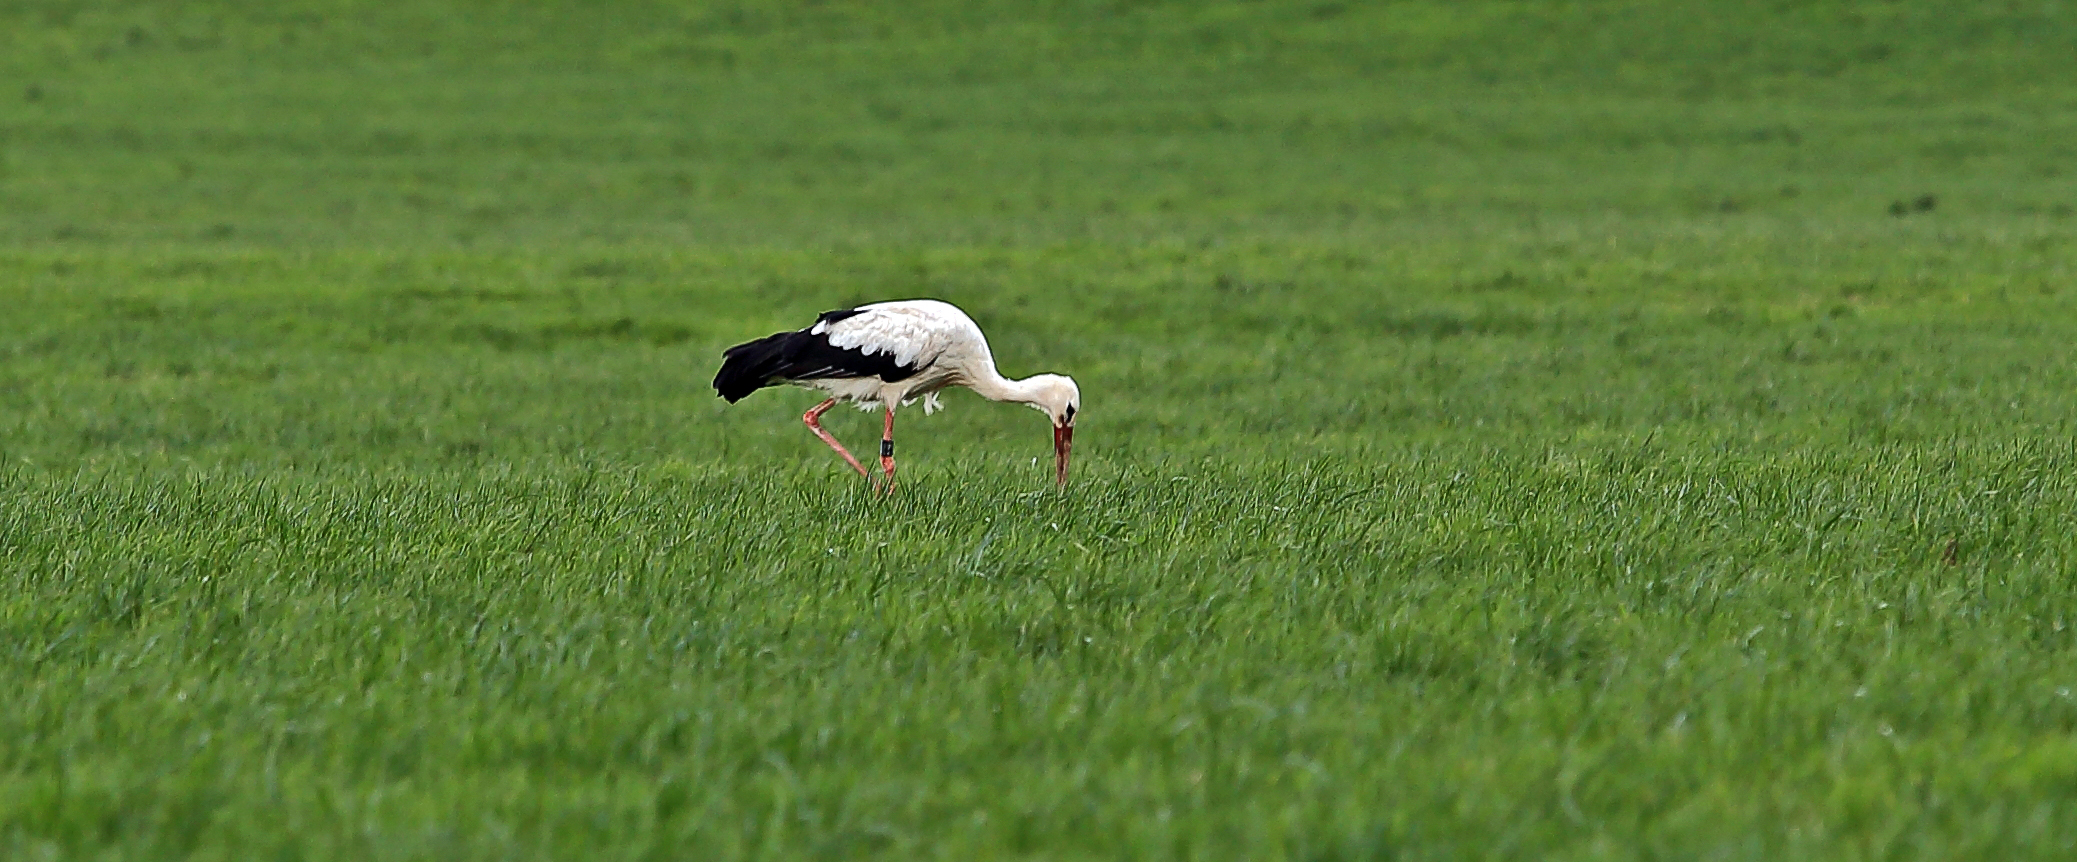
{"points": [[887, 355]]}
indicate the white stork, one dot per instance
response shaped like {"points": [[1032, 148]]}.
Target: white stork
{"points": [[889, 354]]}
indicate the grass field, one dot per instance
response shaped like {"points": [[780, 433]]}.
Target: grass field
{"points": [[1511, 431]]}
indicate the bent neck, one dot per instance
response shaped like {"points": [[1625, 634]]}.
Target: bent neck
{"points": [[993, 386]]}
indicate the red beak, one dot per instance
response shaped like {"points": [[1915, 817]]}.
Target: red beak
{"points": [[1063, 438]]}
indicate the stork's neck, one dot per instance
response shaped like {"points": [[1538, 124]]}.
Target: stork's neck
{"points": [[990, 384]]}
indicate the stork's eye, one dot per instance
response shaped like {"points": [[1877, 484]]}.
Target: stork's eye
{"points": [[1070, 413]]}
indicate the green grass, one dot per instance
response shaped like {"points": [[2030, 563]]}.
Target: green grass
{"points": [[1510, 431]]}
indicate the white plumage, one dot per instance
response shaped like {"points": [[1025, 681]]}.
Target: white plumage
{"points": [[934, 337]]}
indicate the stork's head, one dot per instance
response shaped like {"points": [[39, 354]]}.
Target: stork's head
{"points": [[1060, 399], [1057, 396]]}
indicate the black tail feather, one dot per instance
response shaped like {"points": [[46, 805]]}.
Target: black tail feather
{"points": [[752, 365]]}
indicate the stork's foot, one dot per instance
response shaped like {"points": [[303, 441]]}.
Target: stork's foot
{"points": [[886, 483]]}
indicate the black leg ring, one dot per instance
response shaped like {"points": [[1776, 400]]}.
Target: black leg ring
{"points": [[887, 448]]}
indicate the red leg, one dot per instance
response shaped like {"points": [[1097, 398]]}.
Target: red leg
{"points": [[887, 452], [814, 419]]}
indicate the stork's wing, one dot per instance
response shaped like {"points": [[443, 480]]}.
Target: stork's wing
{"points": [[893, 341], [915, 333]]}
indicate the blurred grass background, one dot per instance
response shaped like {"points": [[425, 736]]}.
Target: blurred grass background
{"points": [[324, 124]]}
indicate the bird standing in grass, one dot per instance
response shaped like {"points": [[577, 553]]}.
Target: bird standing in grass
{"points": [[887, 355]]}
